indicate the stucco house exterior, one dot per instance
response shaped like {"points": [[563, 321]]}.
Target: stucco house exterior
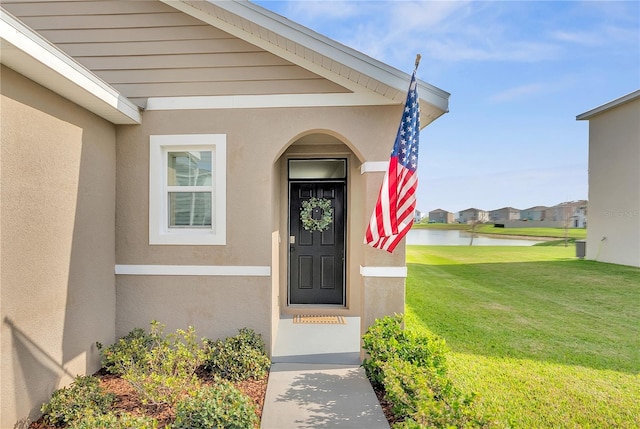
{"points": [[535, 213], [613, 234], [473, 215], [441, 216], [504, 214], [154, 159], [579, 218], [566, 213]]}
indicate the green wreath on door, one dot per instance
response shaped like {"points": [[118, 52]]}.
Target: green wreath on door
{"points": [[307, 210]]}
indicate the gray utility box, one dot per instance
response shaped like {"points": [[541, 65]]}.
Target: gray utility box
{"points": [[581, 248]]}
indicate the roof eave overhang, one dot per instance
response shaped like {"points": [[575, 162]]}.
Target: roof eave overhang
{"points": [[29, 54], [608, 106], [346, 67]]}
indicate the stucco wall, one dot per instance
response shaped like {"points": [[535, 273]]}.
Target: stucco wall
{"points": [[613, 234], [57, 216], [257, 140]]}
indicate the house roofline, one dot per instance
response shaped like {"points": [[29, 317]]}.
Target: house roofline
{"points": [[29, 54], [308, 49], [610, 105]]}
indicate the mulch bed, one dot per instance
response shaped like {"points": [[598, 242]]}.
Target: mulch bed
{"points": [[127, 399]]}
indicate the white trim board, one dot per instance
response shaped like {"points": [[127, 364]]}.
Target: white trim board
{"points": [[383, 271], [266, 101], [374, 167], [26, 52], [193, 270]]}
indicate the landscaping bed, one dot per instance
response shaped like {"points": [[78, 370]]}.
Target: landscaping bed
{"points": [[151, 381], [129, 401]]}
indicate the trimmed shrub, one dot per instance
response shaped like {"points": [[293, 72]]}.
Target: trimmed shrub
{"points": [[127, 352], [412, 371], [386, 340], [426, 399], [83, 396], [114, 421], [238, 358], [222, 406]]}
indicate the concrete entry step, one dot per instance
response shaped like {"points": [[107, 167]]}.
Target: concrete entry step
{"points": [[330, 343], [316, 380]]}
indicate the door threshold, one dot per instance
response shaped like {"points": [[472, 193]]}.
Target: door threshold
{"points": [[333, 306]]}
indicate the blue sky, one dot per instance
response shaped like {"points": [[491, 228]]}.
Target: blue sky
{"points": [[518, 73]]}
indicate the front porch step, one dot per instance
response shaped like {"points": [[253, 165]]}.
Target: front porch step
{"points": [[318, 343]]}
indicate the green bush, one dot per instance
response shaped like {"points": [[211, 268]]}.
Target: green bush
{"points": [[412, 371], [238, 358], [128, 351], [114, 421], [222, 406], [386, 340], [167, 369], [427, 399], [83, 396]]}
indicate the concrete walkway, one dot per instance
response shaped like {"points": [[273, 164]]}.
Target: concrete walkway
{"points": [[316, 380]]}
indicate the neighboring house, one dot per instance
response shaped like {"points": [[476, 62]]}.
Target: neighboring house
{"points": [[580, 217], [614, 181], [155, 156], [418, 216], [441, 216], [533, 213], [504, 214], [473, 215], [565, 213]]}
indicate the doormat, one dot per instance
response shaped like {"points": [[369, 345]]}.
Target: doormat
{"points": [[325, 320]]}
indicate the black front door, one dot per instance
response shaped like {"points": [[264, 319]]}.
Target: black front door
{"points": [[316, 257]]}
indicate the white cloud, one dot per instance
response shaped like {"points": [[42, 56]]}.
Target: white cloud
{"points": [[518, 92], [585, 38], [306, 11]]}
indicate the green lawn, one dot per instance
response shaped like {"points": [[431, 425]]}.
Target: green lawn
{"points": [[545, 339]]}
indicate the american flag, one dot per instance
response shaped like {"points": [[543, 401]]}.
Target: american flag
{"points": [[394, 211]]}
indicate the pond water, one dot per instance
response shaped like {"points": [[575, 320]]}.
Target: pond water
{"points": [[436, 237]]}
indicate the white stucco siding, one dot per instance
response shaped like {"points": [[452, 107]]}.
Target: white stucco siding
{"points": [[614, 185]]}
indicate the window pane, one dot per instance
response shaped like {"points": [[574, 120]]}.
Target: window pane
{"points": [[317, 169], [191, 168], [192, 209]]}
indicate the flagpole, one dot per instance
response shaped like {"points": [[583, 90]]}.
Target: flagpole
{"points": [[418, 57]]}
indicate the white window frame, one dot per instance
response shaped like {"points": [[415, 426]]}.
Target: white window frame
{"points": [[159, 231]]}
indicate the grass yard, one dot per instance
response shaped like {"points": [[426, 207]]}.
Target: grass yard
{"points": [[545, 339]]}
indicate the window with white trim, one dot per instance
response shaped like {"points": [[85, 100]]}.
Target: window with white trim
{"points": [[187, 189]]}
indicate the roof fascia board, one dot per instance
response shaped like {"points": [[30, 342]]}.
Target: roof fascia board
{"points": [[267, 101], [608, 106], [36, 58], [310, 40], [333, 49]]}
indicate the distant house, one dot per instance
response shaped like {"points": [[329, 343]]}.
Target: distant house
{"points": [[579, 218], [473, 215], [138, 137], [533, 213], [504, 214], [566, 213], [418, 216], [441, 216], [614, 181]]}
